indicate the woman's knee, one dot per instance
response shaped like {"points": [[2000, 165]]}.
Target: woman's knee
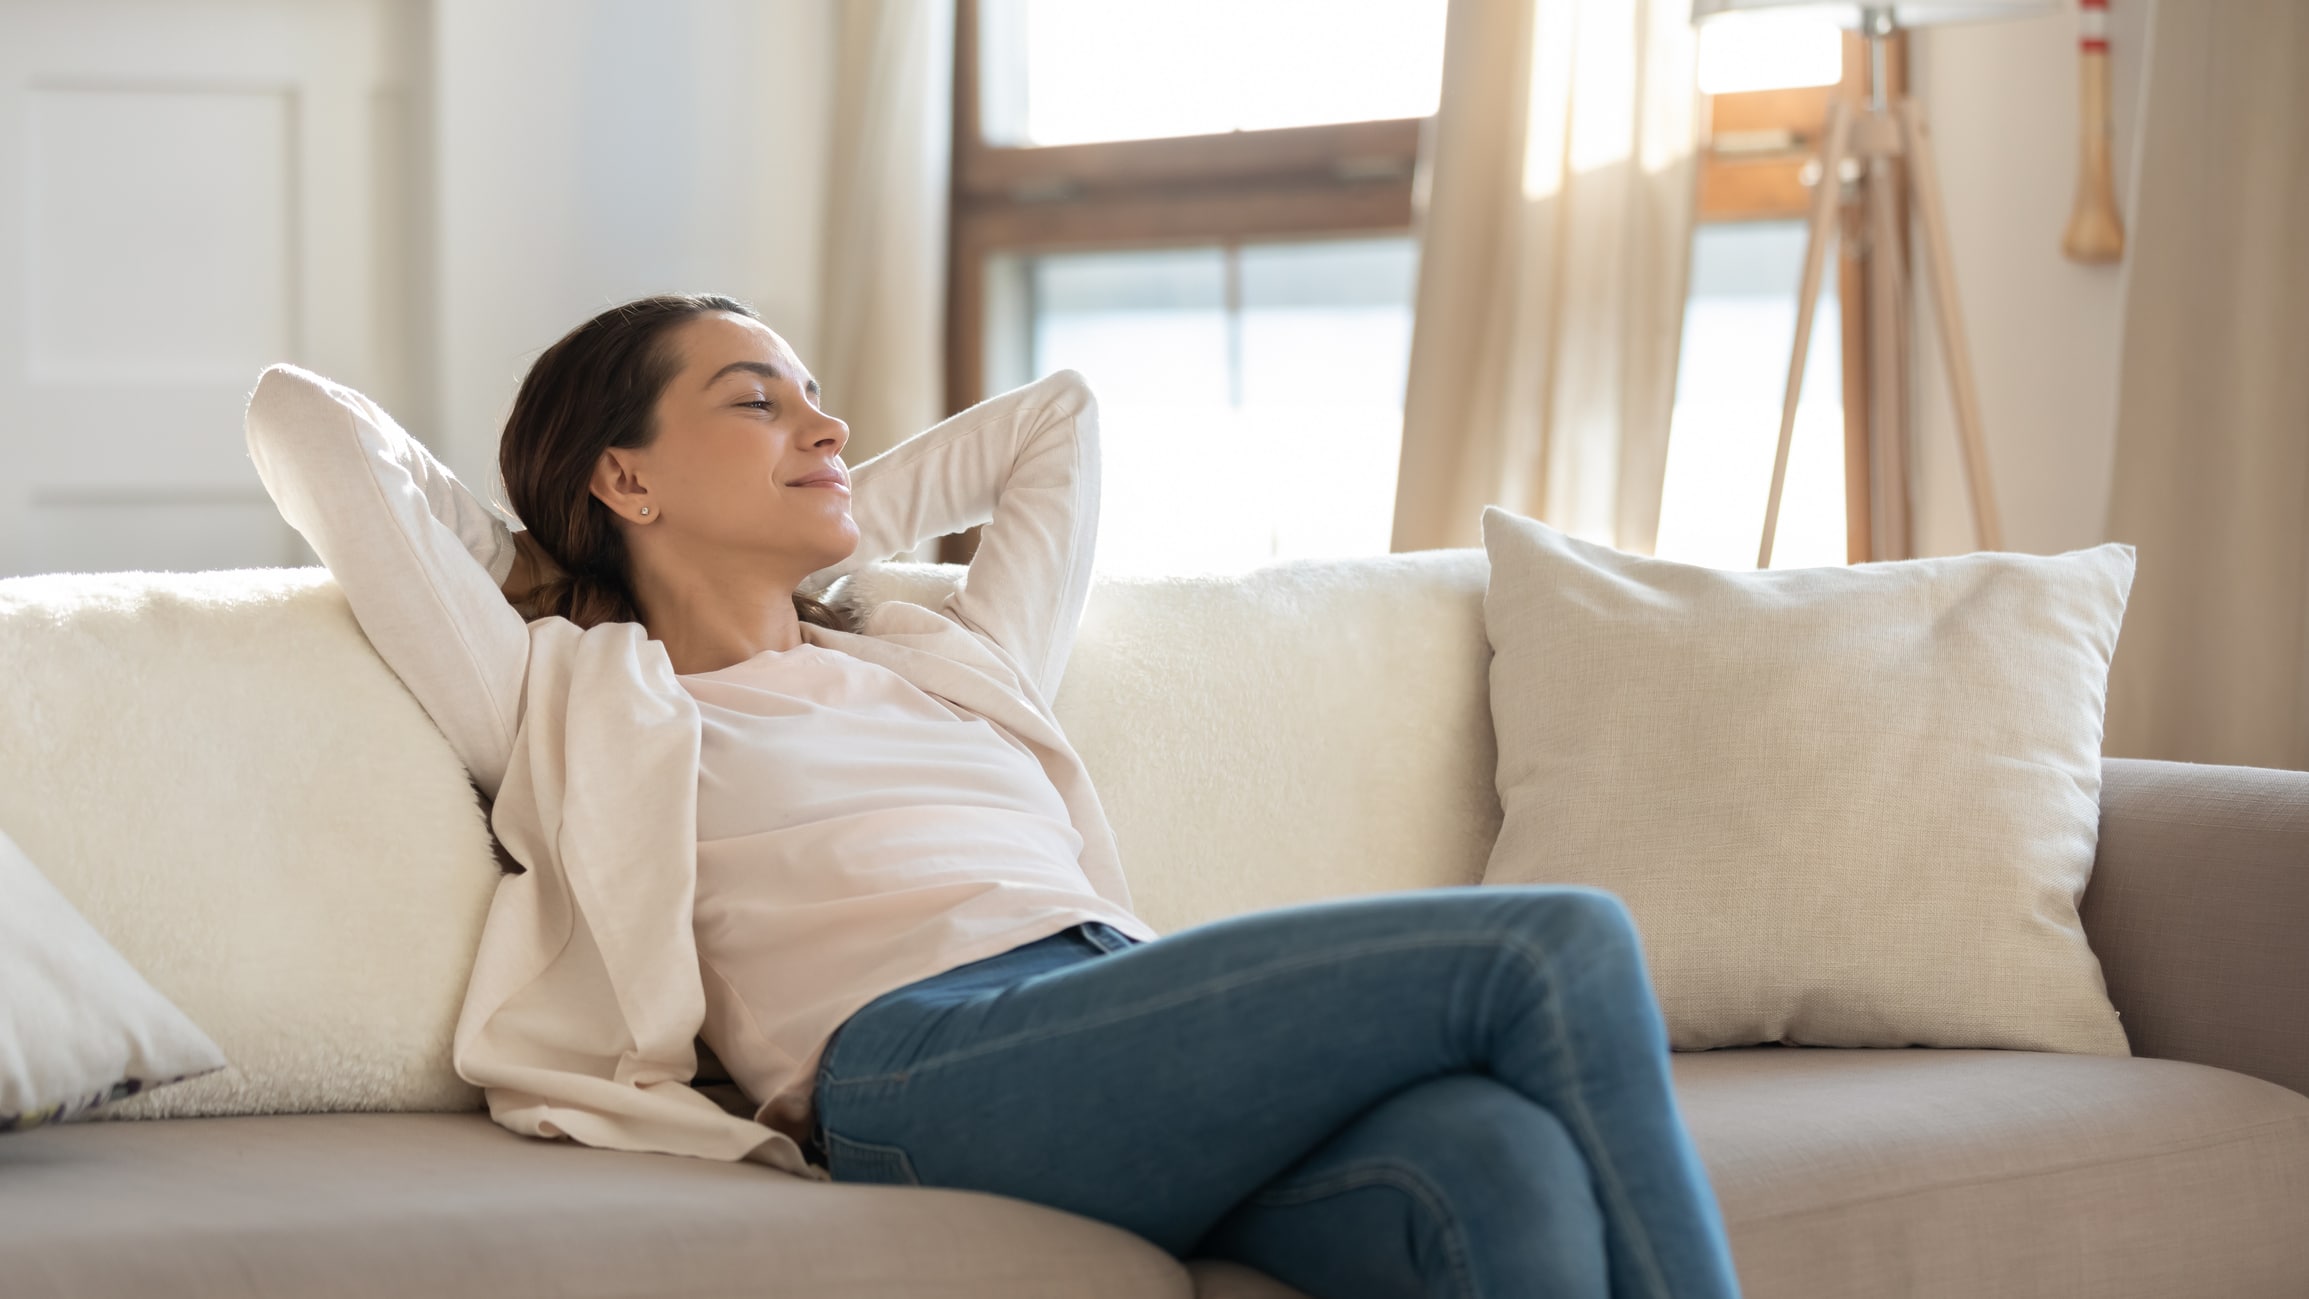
{"points": [[1561, 917]]}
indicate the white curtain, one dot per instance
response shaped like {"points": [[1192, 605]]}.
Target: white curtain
{"points": [[2212, 460], [1557, 197], [882, 283]]}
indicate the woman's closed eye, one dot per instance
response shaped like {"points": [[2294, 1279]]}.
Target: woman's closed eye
{"points": [[769, 405]]}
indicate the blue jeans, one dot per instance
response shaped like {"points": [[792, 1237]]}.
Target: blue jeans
{"points": [[1455, 1091]]}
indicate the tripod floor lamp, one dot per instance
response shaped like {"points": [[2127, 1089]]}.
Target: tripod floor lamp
{"points": [[1888, 139]]}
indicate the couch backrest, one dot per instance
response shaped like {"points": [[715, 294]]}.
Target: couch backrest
{"points": [[223, 776], [226, 780]]}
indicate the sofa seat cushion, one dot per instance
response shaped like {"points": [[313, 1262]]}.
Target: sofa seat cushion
{"points": [[1917, 1172], [1923, 1171], [451, 1205]]}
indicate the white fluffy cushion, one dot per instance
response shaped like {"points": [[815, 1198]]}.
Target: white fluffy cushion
{"points": [[1846, 806], [1309, 729], [79, 1027], [223, 777], [219, 771]]}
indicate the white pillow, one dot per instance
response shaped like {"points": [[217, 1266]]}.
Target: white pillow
{"points": [[79, 1027], [1845, 806]]}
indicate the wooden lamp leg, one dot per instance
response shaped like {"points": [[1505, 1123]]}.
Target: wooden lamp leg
{"points": [[1924, 180], [1887, 346], [1824, 204]]}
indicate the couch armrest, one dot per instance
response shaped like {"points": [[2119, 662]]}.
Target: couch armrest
{"points": [[2198, 908]]}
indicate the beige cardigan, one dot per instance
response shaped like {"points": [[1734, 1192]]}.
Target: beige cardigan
{"points": [[581, 1016]]}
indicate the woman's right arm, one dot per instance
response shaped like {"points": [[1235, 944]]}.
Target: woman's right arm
{"points": [[424, 563]]}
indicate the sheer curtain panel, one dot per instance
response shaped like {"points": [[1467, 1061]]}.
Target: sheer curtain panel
{"points": [[2212, 461], [883, 280], [1556, 203]]}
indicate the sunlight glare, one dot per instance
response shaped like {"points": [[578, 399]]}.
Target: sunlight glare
{"points": [[1766, 51], [1127, 71]]}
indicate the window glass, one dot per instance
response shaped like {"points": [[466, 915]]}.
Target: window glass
{"points": [[1250, 399], [1078, 71], [1326, 342], [1739, 324]]}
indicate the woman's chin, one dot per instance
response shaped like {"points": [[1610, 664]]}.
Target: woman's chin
{"points": [[839, 550]]}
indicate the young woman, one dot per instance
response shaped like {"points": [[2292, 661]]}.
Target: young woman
{"points": [[915, 945]]}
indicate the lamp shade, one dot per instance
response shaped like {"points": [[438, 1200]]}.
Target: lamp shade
{"points": [[1905, 13]]}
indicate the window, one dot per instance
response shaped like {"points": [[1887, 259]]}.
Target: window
{"points": [[1770, 79], [1217, 232], [1250, 394]]}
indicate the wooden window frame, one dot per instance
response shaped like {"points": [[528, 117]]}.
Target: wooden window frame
{"points": [[1336, 179], [1761, 179]]}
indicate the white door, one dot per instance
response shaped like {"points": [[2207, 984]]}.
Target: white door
{"points": [[190, 191]]}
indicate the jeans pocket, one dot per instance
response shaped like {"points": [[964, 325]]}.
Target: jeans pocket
{"points": [[863, 1161]]}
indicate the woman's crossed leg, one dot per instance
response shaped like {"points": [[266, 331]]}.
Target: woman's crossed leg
{"points": [[1163, 1085]]}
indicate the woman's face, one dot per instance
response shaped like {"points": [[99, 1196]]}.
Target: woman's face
{"points": [[738, 427]]}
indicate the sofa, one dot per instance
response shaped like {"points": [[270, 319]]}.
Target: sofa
{"points": [[218, 771]]}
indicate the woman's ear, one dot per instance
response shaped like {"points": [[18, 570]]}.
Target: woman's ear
{"points": [[618, 483]]}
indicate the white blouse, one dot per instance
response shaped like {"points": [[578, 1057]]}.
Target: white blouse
{"points": [[855, 834]]}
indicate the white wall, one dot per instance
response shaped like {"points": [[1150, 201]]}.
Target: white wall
{"points": [[189, 192], [2045, 333], [591, 151]]}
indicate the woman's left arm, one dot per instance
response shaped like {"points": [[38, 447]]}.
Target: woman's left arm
{"points": [[1026, 464], [421, 560]]}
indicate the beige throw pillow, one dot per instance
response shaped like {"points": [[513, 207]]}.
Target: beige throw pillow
{"points": [[1845, 806], [79, 1027]]}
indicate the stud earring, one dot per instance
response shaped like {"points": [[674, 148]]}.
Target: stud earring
{"points": [[645, 511]]}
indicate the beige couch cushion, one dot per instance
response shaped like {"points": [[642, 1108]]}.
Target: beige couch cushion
{"points": [[451, 1205], [1962, 1173], [1915, 1172]]}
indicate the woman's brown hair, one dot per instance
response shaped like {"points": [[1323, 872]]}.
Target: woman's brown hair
{"points": [[594, 389]]}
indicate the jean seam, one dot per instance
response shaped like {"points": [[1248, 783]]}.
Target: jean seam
{"points": [[1177, 996], [1403, 1177], [1599, 1161]]}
